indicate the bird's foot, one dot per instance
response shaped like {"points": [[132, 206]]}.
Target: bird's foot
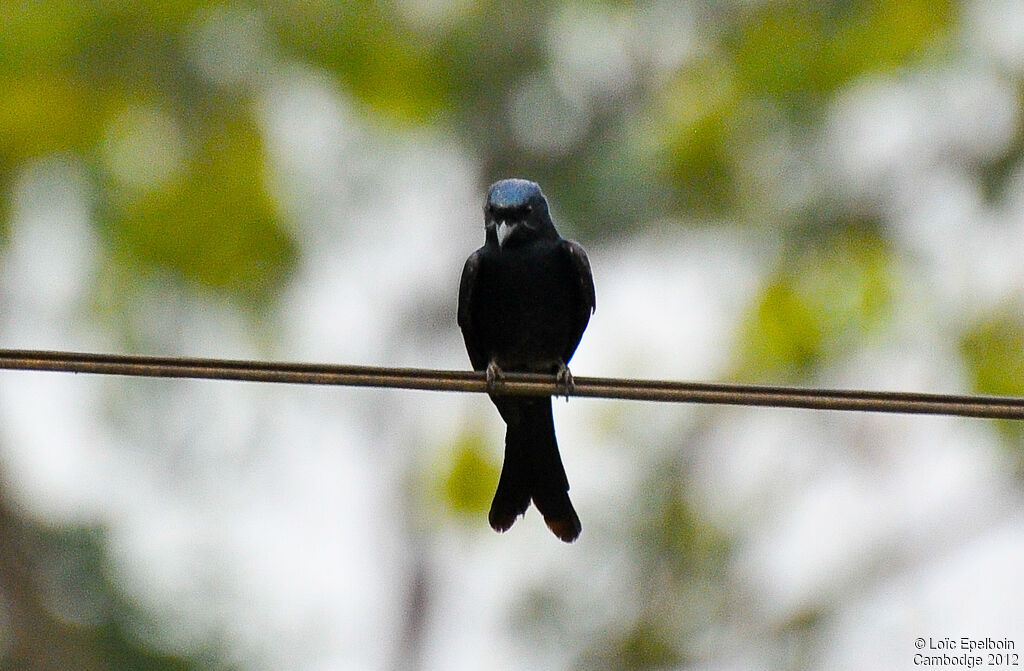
{"points": [[494, 375], [564, 378]]}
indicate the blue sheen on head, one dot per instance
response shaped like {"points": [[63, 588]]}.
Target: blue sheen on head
{"points": [[510, 194]]}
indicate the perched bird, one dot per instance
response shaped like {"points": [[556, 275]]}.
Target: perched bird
{"points": [[525, 299]]}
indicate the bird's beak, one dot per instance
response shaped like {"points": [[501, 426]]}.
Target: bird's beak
{"points": [[503, 230]]}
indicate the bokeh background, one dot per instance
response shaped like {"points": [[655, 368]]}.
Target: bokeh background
{"points": [[825, 193]]}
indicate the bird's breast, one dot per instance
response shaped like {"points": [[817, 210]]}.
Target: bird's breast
{"points": [[527, 299]]}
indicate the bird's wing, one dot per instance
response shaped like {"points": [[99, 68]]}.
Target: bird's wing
{"points": [[580, 266], [467, 289]]}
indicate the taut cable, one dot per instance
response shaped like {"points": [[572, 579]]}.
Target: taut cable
{"points": [[993, 407]]}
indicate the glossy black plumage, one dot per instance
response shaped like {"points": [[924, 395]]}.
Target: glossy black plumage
{"points": [[525, 299]]}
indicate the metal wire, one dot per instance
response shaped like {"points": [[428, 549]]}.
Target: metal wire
{"points": [[994, 407]]}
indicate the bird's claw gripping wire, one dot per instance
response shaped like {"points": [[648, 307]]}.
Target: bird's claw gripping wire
{"points": [[564, 378], [494, 375]]}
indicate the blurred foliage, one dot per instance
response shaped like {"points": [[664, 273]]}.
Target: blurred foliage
{"points": [[62, 609], [798, 53], [830, 292], [680, 571], [790, 56], [470, 477], [995, 175], [646, 645], [179, 165], [211, 221], [701, 137], [993, 352], [401, 73], [787, 56], [73, 67]]}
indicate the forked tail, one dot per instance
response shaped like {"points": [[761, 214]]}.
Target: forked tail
{"points": [[532, 469]]}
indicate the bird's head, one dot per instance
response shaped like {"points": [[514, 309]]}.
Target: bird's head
{"points": [[516, 211]]}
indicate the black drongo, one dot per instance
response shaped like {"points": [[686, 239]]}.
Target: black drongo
{"points": [[526, 297]]}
